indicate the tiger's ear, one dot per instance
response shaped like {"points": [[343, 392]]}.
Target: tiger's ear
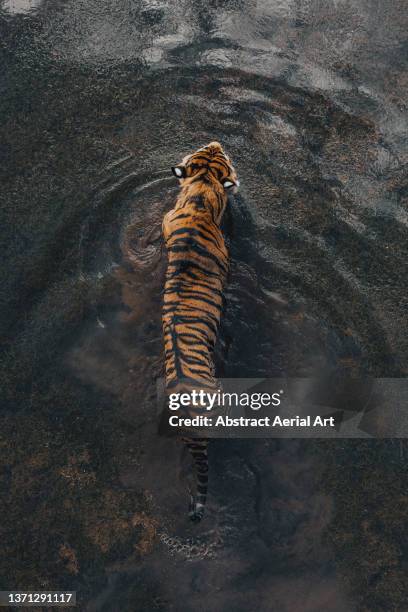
{"points": [[179, 171], [227, 184]]}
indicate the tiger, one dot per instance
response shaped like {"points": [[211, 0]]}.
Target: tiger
{"points": [[196, 274]]}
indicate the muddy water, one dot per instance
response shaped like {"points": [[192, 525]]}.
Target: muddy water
{"points": [[98, 100]]}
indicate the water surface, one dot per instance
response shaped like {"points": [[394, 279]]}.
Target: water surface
{"points": [[98, 100]]}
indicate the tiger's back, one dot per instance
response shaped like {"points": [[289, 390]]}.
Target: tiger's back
{"points": [[193, 293]]}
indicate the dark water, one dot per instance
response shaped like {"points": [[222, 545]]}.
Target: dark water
{"points": [[98, 100]]}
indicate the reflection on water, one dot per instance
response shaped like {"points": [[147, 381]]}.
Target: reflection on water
{"points": [[309, 99], [20, 6]]}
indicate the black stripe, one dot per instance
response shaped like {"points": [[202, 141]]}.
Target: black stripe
{"points": [[189, 318], [182, 265], [182, 216], [185, 319], [201, 251], [191, 295], [198, 201], [194, 232], [187, 285], [190, 360]]}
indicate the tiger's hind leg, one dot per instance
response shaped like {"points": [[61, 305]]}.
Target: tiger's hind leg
{"points": [[198, 495]]}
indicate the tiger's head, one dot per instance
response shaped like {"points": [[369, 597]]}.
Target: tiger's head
{"points": [[209, 160]]}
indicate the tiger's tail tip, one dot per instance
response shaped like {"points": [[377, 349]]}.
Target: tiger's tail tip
{"points": [[195, 511]]}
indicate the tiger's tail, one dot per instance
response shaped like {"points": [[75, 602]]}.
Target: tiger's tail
{"points": [[198, 450]]}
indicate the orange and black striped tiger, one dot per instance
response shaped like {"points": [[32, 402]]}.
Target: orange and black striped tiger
{"points": [[195, 278]]}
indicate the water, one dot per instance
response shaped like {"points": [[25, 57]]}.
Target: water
{"points": [[98, 100]]}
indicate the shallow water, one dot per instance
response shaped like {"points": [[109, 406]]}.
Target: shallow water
{"points": [[98, 100]]}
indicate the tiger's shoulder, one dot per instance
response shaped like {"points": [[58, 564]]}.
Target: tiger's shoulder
{"points": [[187, 217]]}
